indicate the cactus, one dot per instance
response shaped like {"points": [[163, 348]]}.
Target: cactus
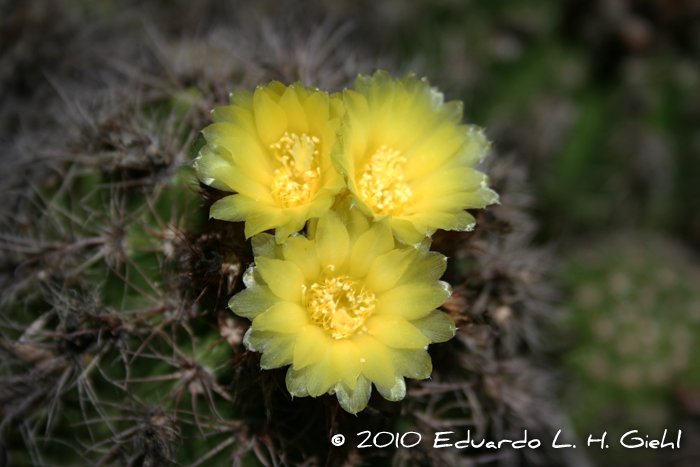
{"points": [[118, 346], [634, 317]]}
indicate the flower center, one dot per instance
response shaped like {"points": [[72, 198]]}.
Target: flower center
{"points": [[381, 184], [296, 169], [340, 305]]}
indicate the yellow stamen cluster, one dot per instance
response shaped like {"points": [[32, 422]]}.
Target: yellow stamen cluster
{"points": [[381, 185], [297, 174], [340, 305]]}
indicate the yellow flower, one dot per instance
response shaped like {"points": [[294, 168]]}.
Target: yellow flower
{"points": [[405, 156], [273, 147], [345, 307]]}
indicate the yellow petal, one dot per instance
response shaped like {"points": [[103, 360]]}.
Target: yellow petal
{"points": [[285, 230], [275, 89], [354, 400], [434, 151], [436, 326], [388, 268], [279, 352], [277, 349], [332, 242], [453, 111], [413, 300], [432, 221], [354, 219], [264, 245], [321, 203], [353, 138], [302, 252], [346, 359], [475, 147], [405, 231], [243, 149], [374, 242], [312, 344], [480, 198], [230, 114], [395, 393], [377, 366], [296, 117], [270, 118], [205, 163], [321, 376], [284, 317], [234, 208], [395, 331], [412, 363], [317, 111], [251, 302], [263, 218], [337, 107], [242, 98], [238, 181], [283, 277], [443, 183], [296, 382], [428, 267]]}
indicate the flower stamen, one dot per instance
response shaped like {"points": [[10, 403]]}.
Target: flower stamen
{"points": [[340, 305], [297, 173], [381, 184]]}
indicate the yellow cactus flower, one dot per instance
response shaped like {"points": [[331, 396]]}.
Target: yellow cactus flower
{"points": [[272, 148], [406, 157], [345, 307]]}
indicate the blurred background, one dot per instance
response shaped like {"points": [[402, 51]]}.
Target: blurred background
{"points": [[595, 102]]}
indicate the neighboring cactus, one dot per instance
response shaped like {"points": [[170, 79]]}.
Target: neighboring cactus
{"points": [[634, 321]]}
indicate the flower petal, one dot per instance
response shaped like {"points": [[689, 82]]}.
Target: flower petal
{"points": [[207, 161], [242, 98], [296, 117], [346, 359], [412, 363], [296, 382], [395, 393], [406, 232], [436, 326], [283, 277], [443, 183], [395, 331], [261, 219], [245, 185], [277, 349], [388, 268], [284, 317], [291, 227], [414, 300], [375, 242], [251, 302], [377, 365], [316, 108], [234, 208], [312, 344], [279, 352], [301, 251], [243, 149], [428, 267], [270, 118], [321, 376], [264, 245], [354, 400], [332, 242]]}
